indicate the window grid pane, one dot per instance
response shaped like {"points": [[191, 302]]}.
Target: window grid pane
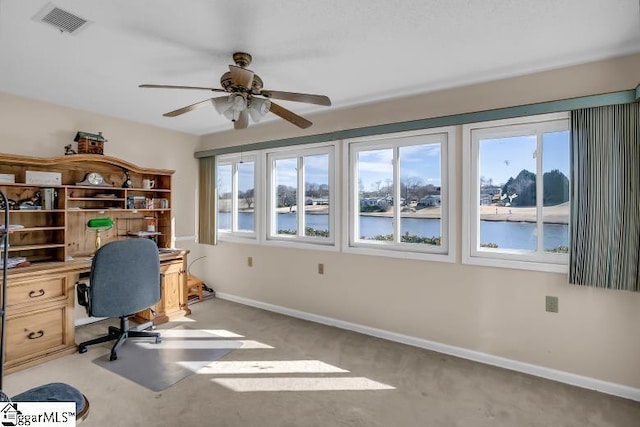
{"points": [[421, 195], [245, 197], [225, 200], [316, 196], [507, 193], [286, 187], [555, 190], [375, 195]]}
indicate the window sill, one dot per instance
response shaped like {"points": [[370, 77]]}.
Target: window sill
{"points": [[301, 244], [235, 238], [515, 264], [403, 253]]}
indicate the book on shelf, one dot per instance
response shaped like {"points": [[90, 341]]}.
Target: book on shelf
{"points": [[49, 198], [136, 202]]}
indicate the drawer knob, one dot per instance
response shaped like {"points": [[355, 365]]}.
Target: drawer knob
{"points": [[35, 335], [34, 294]]}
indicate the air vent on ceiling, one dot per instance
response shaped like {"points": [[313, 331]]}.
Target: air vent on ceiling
{"points": [[61, 19]]}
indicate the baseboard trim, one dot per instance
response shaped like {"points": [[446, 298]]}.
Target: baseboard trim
{"points": [[514, 365]]}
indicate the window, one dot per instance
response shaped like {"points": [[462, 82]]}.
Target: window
{"points": [[236, 204], [518, 192], [301, 195], [399, 194]]}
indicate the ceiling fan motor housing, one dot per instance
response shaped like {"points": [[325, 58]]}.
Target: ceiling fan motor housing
{"points": [[242, 59]]}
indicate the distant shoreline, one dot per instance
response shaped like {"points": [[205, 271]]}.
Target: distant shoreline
{"points": [[558, 214]]}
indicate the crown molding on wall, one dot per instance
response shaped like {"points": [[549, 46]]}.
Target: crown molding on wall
{"points": [[612, 98]]}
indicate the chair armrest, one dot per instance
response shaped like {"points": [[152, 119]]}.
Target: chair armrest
{"points": [[82, 289]]}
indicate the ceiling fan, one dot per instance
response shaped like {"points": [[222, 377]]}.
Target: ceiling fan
{"points": [[246, 97]]}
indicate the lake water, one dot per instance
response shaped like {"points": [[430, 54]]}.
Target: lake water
{"points": [[507, 235]]}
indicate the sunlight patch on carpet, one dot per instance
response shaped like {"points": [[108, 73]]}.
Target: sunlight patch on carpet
{"points": [[235, 367], [203, 344], [301, 384]]}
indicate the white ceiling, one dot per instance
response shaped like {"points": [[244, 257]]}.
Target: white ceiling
{"points": [[355, 51]]}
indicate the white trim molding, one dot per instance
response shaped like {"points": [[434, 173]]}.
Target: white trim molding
{"points": [[476, 356]]}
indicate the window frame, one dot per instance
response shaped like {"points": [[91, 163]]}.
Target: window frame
{"points": [[235, 235], [446, 252], [299, 241], [507, 258]]}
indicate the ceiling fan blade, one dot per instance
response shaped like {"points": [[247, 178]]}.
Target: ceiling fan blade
{"points": [[297, 97], [181, 87], [188, 108], [243, 120], [289, 116], [241, 76]]}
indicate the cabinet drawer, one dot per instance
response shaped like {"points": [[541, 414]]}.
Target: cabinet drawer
{"points": [[36, 291], [34, 333]]}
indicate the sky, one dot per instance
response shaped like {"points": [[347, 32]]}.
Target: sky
{"points": [[500, 159], [245, 177], [421, 161], [316, 171], [504, 158]]}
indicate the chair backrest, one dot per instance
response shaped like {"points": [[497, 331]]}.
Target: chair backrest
{"points": [[125, 278]]}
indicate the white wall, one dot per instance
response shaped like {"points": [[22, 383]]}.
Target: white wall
{"points": [[496, 311], [40, 129]]}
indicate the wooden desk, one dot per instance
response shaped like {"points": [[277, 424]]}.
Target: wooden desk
{"points": [[40, 307]]}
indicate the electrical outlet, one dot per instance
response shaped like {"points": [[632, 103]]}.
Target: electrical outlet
{"points": [[551, 304], [250, 261], [320, 268]]}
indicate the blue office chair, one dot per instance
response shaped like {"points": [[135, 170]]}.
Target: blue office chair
{"points": [[124, 279]]}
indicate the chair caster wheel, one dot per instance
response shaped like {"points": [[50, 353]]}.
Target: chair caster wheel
{"points": [[82, 349], [113, 357], [158, 340]]}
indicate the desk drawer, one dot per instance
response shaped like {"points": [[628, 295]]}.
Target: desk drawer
{"points": [[36, 290], [33, 333]]}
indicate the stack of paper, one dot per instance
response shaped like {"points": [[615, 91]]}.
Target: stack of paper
{"points": [[12, 262]]}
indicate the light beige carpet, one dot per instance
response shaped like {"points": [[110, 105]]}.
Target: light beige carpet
{"points": [[292, 373]]}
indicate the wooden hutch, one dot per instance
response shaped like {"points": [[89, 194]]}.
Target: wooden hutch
{"points": [[52, 212]]}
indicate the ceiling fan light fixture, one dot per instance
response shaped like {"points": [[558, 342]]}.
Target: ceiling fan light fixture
{"points": [[237, 102], [221, 104], [230, 115], [230, 106], [258, 108]]}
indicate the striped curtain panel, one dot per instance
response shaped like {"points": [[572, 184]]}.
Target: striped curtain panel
{"points": [[605, 197], [207, 201]]}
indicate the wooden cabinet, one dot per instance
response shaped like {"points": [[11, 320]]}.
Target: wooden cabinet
{"points": [[55, 239], [173, 300]]}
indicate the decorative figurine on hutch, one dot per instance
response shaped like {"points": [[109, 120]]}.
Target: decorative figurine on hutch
{"points": [[68, 150], [90, 143]]}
